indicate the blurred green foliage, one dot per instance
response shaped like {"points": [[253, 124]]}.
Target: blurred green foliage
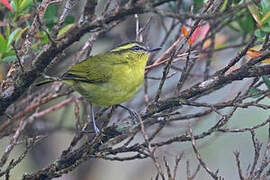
{"points": [[6, 49]]}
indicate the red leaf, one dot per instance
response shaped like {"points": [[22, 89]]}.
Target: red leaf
{"points": [[256, 54], [185, 34], [195, 34], [204, 30], [6, 3], [184, 31]]}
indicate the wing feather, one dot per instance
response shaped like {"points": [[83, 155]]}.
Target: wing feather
{"points": [[96, 69]]}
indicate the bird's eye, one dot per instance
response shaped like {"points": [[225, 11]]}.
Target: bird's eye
{"points": [[136, 48]]}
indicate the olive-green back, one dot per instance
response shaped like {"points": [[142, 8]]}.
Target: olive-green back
{"points": [[95, 69]]}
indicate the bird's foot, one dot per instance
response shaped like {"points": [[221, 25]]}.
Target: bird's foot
{"points": [[134, 115]]}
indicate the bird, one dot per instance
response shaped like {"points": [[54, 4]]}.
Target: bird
{"points": [[109, 78]]}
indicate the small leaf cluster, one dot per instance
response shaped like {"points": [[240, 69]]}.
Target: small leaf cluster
{"points": [[20, 19], [7, 52]]}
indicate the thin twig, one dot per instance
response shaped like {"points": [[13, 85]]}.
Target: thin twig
{"points": [[202, 163]]}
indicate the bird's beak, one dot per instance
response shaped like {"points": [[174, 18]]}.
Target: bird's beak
{"points": [[153, 49]]}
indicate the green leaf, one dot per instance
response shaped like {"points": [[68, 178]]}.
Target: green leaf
{"points": [[198, 4], [259, 33], [266, 29], [9, 53], [223, 7], [266, 10], [14, 5], [64, 30], [236, 2], [7, 31], [9, 58], [254, 91], [255, 12], [50, 13], [69, 20], [50, 17], [3, 44], [266, 81], [265, 18], [247, 24], [44, 40], [265, 4], [25, 4], [234, 26], [13, 35]]}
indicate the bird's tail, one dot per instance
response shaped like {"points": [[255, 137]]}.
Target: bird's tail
{"points": [[46, 81]]}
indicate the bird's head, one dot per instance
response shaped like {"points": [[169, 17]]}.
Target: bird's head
{"points": [[134, 50]]}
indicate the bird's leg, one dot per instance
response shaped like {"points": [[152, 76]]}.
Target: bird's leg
{"points": [[93, 120], [134, 115]]}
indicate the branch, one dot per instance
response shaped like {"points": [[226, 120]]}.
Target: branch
{"points": [[24, 80], [210, 85]]}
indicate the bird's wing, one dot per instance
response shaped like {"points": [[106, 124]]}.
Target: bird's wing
{"points": [[96, 69]]}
